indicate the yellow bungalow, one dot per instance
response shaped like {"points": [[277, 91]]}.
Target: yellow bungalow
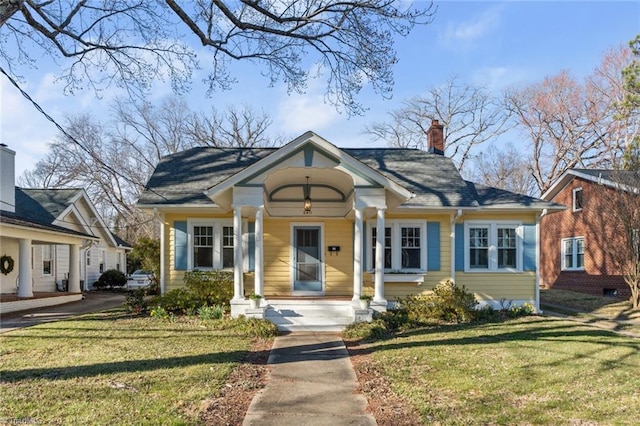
{"points": [[311, 227]]}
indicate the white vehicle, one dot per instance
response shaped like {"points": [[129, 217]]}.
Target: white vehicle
{"points": [[139, 279]]}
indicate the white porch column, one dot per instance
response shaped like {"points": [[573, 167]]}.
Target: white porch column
{"points": [[25, 283], [163, 270], [238, 290], [259, 254], [357, 254], [379, 277], [74, 268]]}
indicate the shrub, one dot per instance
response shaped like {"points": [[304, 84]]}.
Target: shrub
{"points": [[178, 301], [112, 278], [160, 312], [448, 302], [210, 287], [136, 302], [367, 331], [211, 312], [254, 327]]}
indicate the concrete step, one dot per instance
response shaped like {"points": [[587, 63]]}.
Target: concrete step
{"points": [[310, 315]]}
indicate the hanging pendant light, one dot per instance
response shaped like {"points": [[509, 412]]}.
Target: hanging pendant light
{"points": [[307, 198]]}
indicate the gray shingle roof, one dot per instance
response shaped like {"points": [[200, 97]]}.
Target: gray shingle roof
{"points": [[43, 205], [38, 208], [432, 177], [499, 198], [182, 178], [626, 177]]}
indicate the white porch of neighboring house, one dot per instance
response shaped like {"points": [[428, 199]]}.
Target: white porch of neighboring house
{"points": [[18, 244], [19, 235]]}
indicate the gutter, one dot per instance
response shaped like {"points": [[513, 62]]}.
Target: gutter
{"points": [[160, 217]]}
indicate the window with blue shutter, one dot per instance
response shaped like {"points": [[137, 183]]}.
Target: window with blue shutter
{"points": [[180, 245], [433, 246]]}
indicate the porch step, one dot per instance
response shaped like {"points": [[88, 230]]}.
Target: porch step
{"points": [[310, 315]]}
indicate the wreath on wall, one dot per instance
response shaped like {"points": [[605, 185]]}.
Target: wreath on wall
{"points": [[6, 264]]}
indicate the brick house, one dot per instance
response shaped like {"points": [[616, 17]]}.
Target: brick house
{"points": [[577, 244]]}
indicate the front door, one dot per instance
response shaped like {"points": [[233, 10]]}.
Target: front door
{"points": [[307, 260]]}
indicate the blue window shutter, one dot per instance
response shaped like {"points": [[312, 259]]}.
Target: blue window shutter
{"points": [[459, 247], [433, 246], [180, 245], [529, 247], [252, 246]]}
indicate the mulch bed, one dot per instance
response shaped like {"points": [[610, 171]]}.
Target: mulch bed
{"points": [[384, 404], [244, 382]]}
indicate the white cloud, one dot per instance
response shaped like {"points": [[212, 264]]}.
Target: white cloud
{"points": [[298, 113], [476, 27], [497, 78]]}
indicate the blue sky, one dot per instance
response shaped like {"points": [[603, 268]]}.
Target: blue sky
{"points": [[493, 44]]}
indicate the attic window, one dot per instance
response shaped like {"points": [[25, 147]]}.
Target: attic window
{"points": [[577, 199]]}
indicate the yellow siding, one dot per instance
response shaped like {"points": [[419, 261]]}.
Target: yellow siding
{"points": [[175, 279], [484, 215], [339, 266], [496, 286], [277, 257]]}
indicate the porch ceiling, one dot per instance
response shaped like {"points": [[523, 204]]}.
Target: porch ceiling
{"points": [[323, 185]]}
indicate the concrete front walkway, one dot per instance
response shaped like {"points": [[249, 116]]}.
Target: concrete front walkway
{"points": [[311, 383]]}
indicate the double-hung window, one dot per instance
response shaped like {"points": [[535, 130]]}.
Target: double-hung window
{"points": [[493, 246], [578, 201], [405, 245], [210, 244], [47, 260], [573, 254], [388, 250]]}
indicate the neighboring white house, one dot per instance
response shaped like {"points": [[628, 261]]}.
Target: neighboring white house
{"points": [[51, 239]]}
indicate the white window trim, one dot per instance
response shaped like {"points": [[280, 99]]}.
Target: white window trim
{"points": [[396, 241], [493, 245], [574, 192], [51, 259], [574, 254], [102, 256], [217, 225]]}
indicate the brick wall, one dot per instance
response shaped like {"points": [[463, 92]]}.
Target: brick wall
{"points": [[601, 233]]}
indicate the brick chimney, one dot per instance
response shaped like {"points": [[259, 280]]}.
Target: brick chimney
{"points": [[7, 179], [435, 138]]}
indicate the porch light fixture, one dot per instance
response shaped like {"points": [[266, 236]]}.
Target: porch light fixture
{"points": [[307, 198]]}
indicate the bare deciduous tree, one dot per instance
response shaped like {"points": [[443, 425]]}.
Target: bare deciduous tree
{"points": [[570, 124], [470, 115], [504, 168], [618, 210], [114, 160], [134, 43]]}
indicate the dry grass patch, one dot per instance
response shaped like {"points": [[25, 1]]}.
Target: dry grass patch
{"points": [[113, 369], [527, 371]]}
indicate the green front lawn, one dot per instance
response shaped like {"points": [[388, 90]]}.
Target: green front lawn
{"points": [[112, 369], [532, 370]]}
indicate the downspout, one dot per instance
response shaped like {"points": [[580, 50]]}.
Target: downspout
{"points": [[83, 262], [160, 218], [538, 220], [454, 219]]}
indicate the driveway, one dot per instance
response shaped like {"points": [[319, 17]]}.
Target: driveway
{"points": [[92, 302]]}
